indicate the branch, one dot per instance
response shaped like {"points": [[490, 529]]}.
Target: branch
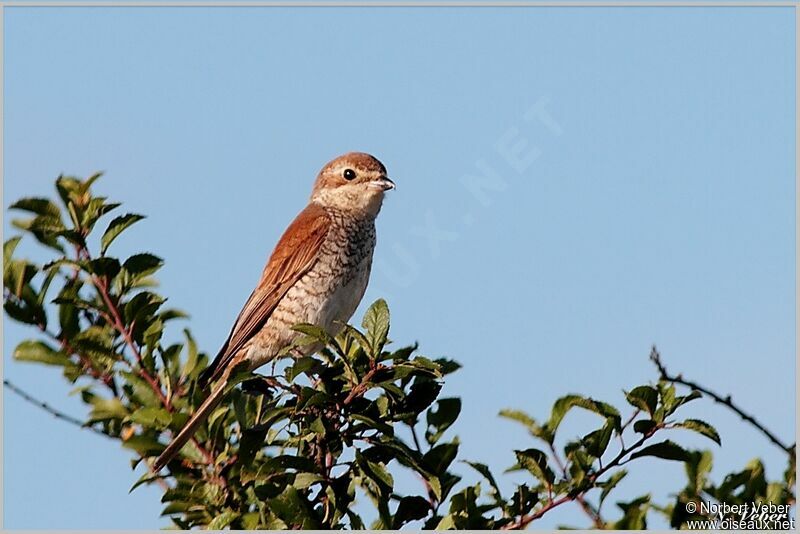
{"points": [[102, 288], [58, 414], [86, 363], [362, 387], [655, 357], [525, 520], [593, 514]]}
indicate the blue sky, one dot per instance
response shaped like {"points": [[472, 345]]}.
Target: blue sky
{"points": [[654, 202]]}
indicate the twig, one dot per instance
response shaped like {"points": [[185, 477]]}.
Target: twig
{"points": [[594, 515], [626, 425], [655, 357], [362, 386], [432, 501], [58, 414], [86, 363], [525, 520], [102, 288], [415, 438]]}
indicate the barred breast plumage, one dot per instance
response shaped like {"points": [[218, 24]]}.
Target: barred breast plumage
{"points": [[326, 296]]}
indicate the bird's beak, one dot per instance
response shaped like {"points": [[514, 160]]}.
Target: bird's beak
{"points": [[383, 183]]}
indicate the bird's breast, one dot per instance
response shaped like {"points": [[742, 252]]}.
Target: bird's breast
{"points": [[342, 272], [329, 293]]}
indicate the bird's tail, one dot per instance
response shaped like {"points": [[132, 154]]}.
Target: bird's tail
{"points": [[188, 430]]}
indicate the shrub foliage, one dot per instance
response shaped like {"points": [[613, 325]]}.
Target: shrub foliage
{"points": [[299, 446]]}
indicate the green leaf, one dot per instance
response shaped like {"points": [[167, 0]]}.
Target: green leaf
{"points": [[151, 417], [422, 394], [524, 419], [116, 227], [564, 404], [45, 287], [635, 514], [680, 401], [95, 341], [643, 426], [360, 338], [105, 267], [409, 509], [84, 186], [23, 313], [666, 449], [483, 469], [446, 366], [40, 352], [701, 427], [446, 413], [314, 332], [522, 501], [376, 424], [172, 313], [666, 394], [144, 479], [17, 274], [419, 365], [611, 483], [439, 458], [222, 520], [698, 466], [105, 409], [45, 228], [643, 397], [300, 366], [293, 508], [535, 461], [305, 480], [596, 442], [8, 249], [67, 186], [144, 444], [251, 442], [39, 206], [376, 472], [143, 263], [141, 309], [192, 358], [376, 323], [435, 484]]}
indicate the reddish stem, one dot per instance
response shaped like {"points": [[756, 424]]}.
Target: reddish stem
{"points": [[102, 288]]}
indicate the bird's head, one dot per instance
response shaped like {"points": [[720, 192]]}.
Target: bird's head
{"points": [[353, 182]]}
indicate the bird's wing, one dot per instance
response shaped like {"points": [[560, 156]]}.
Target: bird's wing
{"points": [[294, 255]]}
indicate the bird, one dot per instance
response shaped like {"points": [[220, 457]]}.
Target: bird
{"points": [[317, 274]]}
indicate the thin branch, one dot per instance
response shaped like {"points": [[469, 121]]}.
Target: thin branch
{"points": [[591, 513], [362, 387], [58, 414], [119, 325], [525, 520], [432, 501], [415, 438], [86, 362], [655, 357], [627, 423]]}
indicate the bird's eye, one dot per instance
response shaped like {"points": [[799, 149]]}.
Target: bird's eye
{"points": [[349, 174]]}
